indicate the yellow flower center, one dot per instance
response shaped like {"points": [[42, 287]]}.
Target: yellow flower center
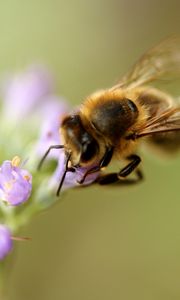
{"points": [[15, 162], [26, 177], [8, 185]]}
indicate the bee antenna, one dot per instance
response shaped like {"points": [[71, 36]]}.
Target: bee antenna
{"points": [[64, 175], [46, 154]]}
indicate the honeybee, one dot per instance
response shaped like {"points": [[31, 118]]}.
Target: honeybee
{"points": [[110, 123]]}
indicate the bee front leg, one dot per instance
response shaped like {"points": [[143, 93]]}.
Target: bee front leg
{"points": [[46, 154], [103, 163]]}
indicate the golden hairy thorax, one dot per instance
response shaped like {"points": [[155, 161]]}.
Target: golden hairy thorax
{"points": [[111, 116]]}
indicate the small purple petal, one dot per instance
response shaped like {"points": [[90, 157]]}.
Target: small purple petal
{"points": [[20, 192], [5, 241], [15, 184], [6, 170]]}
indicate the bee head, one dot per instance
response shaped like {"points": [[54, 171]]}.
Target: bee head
{"points": [[77, 141]]}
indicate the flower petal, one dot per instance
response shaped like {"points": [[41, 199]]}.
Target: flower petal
{"points": [[24, 91], [15, 184], [5, 241]]}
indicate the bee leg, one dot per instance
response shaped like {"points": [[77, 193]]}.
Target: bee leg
{"points": [[135, 160], [103, 163], [108, 179], [114, 178], [46, 154], [139, 174]]}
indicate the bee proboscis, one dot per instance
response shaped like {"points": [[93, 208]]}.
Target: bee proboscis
{"points": [[110, 123]]}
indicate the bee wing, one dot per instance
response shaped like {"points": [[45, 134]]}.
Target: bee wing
{"points": [[160, 61], [167, 121]]}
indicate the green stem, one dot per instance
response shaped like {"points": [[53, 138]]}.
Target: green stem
{"points": [[3, 280]]}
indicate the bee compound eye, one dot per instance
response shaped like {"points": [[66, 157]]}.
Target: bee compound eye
{"points": [[89, 151]]}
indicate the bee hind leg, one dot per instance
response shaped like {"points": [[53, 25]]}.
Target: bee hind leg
{"points": [[127, 170], [111, 178]]}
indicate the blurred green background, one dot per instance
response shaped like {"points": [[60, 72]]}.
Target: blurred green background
{"points": [[96, 243]]}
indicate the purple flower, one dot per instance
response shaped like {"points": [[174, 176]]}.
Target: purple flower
{"points": [[23, 92], [5, 241], [15, 183]]}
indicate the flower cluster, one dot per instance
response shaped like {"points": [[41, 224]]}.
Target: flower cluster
{"points": [[32, 114], [15, 183]]}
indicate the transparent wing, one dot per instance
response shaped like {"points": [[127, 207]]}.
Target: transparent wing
{"points": [[161, 61], [167, 121]]}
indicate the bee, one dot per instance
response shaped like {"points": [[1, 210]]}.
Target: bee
{"points": [[111, 123]]}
